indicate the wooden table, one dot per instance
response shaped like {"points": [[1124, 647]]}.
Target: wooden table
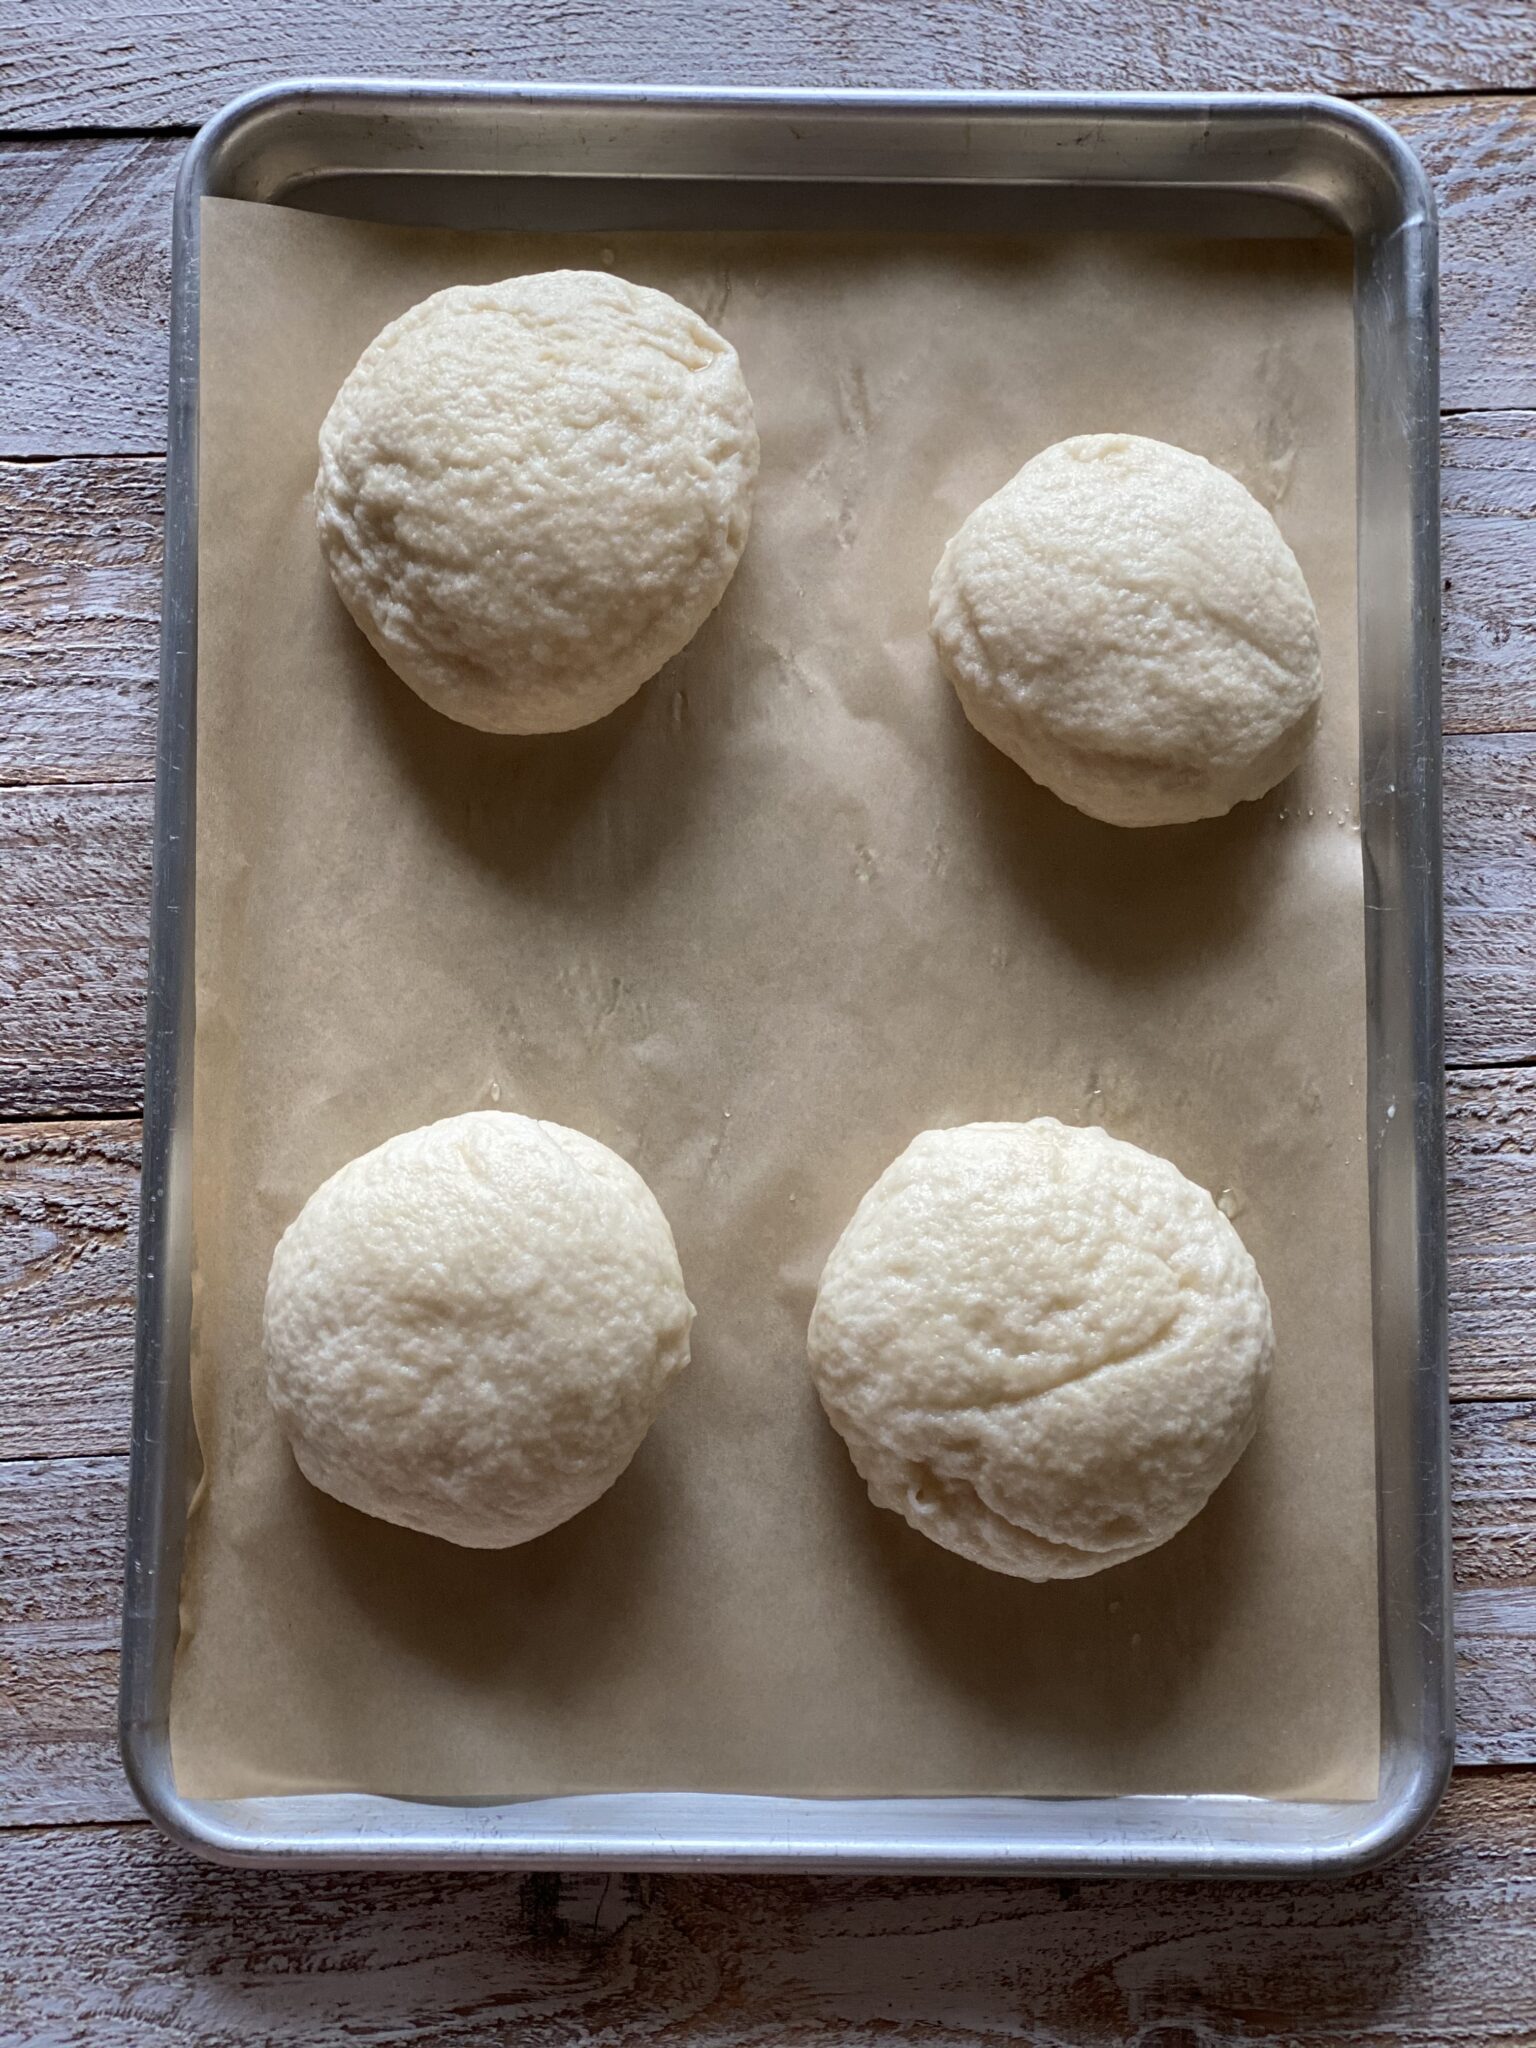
{"points": [[107, 1935]]}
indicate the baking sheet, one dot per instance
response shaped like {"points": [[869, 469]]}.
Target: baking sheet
{"points": [[755, 930]]}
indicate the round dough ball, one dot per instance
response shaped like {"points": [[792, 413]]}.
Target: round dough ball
{"points": [[533, 493], [1128, 624], [1044, 1347], [469, 1329]]}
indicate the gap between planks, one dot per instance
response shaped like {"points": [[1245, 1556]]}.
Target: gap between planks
{"points": [[1370, 97]]}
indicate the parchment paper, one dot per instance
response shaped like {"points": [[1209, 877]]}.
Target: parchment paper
{"points": [[755, 930]]}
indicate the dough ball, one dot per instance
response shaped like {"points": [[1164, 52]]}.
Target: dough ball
{"points": [[469, 1329], [1044, 1347], [533, 493], [1128, 624]]}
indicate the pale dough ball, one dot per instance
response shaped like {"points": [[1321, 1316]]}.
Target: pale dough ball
{"points": [[533, 493], [1044, 1347], [1128, 624], [469, 1329]]}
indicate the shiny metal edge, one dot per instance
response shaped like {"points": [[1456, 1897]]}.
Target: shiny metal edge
{"points": [[1353, 169]]}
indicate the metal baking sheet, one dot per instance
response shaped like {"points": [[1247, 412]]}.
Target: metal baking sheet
{"points": [[553, 157]]}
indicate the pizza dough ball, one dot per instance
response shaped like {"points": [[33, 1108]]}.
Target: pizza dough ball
{"points": [[1128, 624], [533, 493], [469, 1329], [1044, 1347]]}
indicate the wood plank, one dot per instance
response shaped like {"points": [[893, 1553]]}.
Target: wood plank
{"points": [[1493, 1466], [1481, 160], [1490, 897], [85, 262], [1493, 1486], [61, 1534], [1491, 1232], [68, 1228], [1488, 497], [61, 1524], [80, 555], [1496, 1675], [85, 283], [74, 896], [80, 547], [160, 66], [1433, 1951]]}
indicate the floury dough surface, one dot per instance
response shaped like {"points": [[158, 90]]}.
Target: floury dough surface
{"points": [[753, 931], [469, 1329], [1126, 621], [532, 493], [1043, 1347]]}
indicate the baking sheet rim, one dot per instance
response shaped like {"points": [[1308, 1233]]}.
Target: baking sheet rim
{"points": [[1407, 1794]]}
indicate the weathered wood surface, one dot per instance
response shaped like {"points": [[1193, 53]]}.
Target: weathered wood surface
{"points": [[68, 1228], [1482, 165], [85, 265], [1490, 898], [74, 910], [61, 1535], [1491, 1230], [113, 1939], [107, 1935], [79, 618], [1493, 1459], [152, 64], [1488, 539]]}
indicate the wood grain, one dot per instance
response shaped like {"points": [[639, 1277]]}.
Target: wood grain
{"points": [[113, 1938], [1488, 529], [150, 63], [61, 1533], [68, 1226], [1496, 1676], [1493, 1449], [74, 909], [85, 262], [1490, 898], [80, 546], [85, 269], [1481, 162], [1493, 1464], [1491, 1233]]}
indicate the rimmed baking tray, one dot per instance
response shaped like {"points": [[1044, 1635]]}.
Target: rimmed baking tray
{"points": [[557, 157]]}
